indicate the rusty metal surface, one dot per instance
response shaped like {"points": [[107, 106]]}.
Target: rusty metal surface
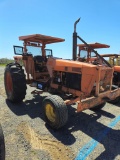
{"points": [[93, 45], [95, 101], [110, 55], [40, 38]]}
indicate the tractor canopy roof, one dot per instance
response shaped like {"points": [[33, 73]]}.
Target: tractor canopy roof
{"points": [[39, 38], [110, 55], [93, 46]]}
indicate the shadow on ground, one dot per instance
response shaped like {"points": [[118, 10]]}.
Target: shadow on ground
{"points": [[86, 123]]}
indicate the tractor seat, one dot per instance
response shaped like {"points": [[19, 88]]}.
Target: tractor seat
{"points": [[39, 65], [38, 59]]}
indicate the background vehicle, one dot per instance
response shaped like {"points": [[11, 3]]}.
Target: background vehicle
{"points": [[87, 82], [114, 60]]}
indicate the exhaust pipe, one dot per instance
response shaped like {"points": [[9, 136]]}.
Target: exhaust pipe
{"points": [[75, 41]]}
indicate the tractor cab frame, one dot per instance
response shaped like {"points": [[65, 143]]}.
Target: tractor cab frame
{"points": [[87, 54], [35, 55]]}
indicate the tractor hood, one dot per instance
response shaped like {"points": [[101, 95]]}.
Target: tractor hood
{"points": [[89, 73], [71, 66]]}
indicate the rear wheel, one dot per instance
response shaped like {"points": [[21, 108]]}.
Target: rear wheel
{"points": [[55, 110], [15, 82], [2, 145]]}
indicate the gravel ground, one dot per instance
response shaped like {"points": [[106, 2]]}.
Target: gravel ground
{"points": [[27, 137]]}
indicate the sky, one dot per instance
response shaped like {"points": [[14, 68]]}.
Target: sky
{"points": [[100, 22]]}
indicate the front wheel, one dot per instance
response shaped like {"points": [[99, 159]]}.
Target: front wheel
{"points": [[55, 111], [2, 145]]}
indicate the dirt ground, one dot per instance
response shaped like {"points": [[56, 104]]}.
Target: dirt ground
{"points": [[88, 135]]}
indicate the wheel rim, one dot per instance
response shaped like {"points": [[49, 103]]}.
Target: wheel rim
{"points": [[9, 84], [50, 112]]}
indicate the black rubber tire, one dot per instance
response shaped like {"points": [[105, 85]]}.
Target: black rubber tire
{"points": [[2, 145], [15, 82], [98, 107], [60, 110]]}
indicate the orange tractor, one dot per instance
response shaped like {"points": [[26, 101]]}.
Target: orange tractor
{"points": [[86, 81]]}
